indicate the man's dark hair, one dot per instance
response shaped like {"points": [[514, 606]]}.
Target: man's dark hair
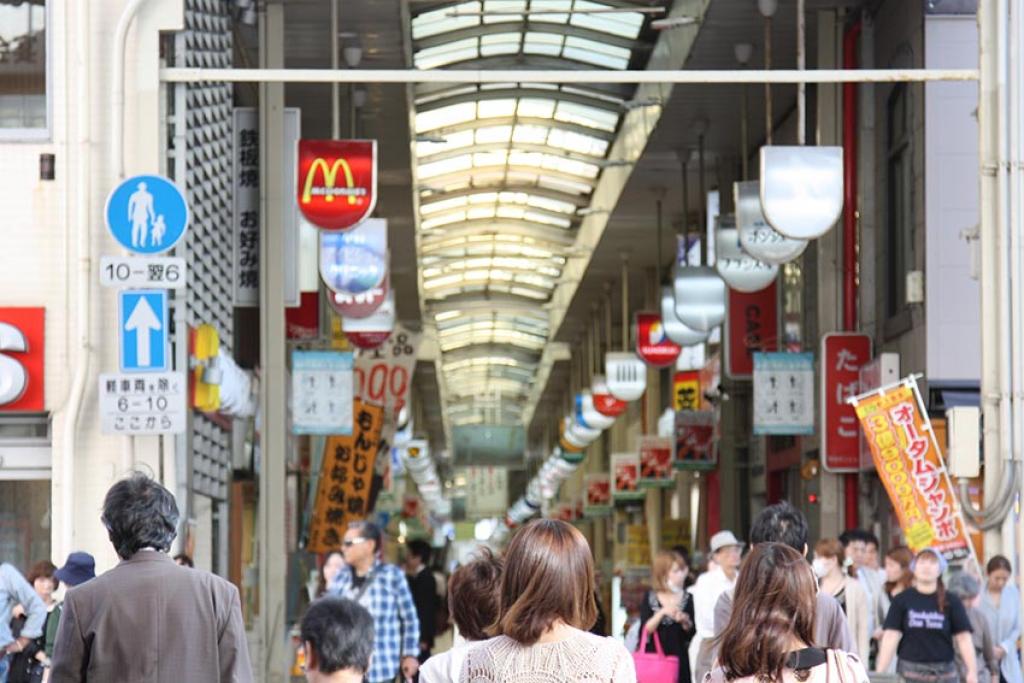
{"points": [[780, 523], [870, 539], [340, 632], [851, 535], [184, 559], [420, 549], [370, 531], [139, 513]]}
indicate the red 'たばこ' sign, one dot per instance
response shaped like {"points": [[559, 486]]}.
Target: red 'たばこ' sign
{"points": [[842, 356]]}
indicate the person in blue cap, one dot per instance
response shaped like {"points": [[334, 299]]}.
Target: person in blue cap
{"points": [[926, 627]]}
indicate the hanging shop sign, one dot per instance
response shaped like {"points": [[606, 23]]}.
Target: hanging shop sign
{"points": [[322, 392], [878, 372], [302, 322], [383, 375], [783, 393], [359, 305], [843, 354], [597, 496], [652, 344], [626, 375], [22, 359], [673, 326], [355, 261], [337, 186], [695, 442], [626, 477], [740, 270], [486, 491], [656, 461], [588, 415], [372, 331], [753, 325], [604, 402], [346, 472], [700, 297], [802, 189], [757, 237], [686, 390], [246, 207], [710, 380], [909, 463]]}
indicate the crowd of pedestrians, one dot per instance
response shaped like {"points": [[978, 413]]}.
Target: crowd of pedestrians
{"points": [[771, 611]]}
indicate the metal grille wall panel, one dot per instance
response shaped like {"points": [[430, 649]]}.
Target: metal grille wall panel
{"points": [[207, 135]]}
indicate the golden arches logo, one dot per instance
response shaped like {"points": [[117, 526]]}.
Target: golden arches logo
{"points": [[330, 176]]}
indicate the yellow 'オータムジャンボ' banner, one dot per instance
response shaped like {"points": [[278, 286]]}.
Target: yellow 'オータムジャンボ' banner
{"points": [[910, 466]]}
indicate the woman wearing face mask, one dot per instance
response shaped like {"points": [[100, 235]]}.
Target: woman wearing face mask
{"points": [[924, 625], [845, 588], [668, 610], [1000, 602]]}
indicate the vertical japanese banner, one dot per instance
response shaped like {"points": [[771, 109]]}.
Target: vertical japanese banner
{"points": [[656, 462], [843, 354], [626, 477], [752, 324], [346, 471], [597, 499], [695, 440], [909, 463]]}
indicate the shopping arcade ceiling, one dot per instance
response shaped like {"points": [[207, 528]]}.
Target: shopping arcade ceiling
{"points": [[502, 173]]}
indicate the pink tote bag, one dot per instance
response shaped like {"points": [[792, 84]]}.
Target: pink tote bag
{"points": [[654, 667]]}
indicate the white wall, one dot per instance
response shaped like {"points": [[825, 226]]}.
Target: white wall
{"points": [[39, 245], [952, 298]]}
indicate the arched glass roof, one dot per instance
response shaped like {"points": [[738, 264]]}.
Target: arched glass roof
{"points": [[502, 171]]}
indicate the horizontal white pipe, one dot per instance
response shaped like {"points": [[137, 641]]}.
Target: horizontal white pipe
{"points": [[182, 75]]}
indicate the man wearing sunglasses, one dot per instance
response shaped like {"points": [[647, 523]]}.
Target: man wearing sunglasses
{"points": [[383, 590]]}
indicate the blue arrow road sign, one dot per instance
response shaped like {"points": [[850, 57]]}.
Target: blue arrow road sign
{"points": [[147, 214], [142, 330]]}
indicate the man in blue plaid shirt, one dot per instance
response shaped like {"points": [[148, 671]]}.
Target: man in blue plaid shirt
{"points": [[381, 589]]}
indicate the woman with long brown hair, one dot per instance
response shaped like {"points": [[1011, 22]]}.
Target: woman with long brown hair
{"points": [[668, 610], [770, 633], [924, 625], [545, 605]]}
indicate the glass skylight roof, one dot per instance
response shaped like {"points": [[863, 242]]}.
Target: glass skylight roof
{"points": [[502, 170]]}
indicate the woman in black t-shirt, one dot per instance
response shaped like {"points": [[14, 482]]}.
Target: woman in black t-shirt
{"points": [[926, 623], [667, 610]]}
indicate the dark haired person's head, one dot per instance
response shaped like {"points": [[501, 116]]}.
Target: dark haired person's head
{"points": [[898, 576], [854, 543], [548, 578], [361, 545], [781, 523], [473, 595], [419, 552], [338, 636], [871, 546], [42, 579], [773, 606], [998, 572], [139, 513], [184, 560]]}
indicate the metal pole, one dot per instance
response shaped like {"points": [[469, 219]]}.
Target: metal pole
{"points": [[744, 144], [625, 302], [335, 87], [801, 65], [685, 76], [703, 228], [684, 157], [658, 253], [767, 86], [272, 555]]}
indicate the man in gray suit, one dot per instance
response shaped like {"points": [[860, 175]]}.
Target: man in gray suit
{"points": [[148, 619]]}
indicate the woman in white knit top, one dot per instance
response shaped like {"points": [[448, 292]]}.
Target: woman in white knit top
{"points": [[545, 603]]}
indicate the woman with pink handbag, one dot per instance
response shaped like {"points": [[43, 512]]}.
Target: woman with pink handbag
{"points": [[666, 614], [770, 633]]}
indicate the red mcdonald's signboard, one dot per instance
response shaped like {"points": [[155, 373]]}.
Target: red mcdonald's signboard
{"points": [[337, 182]]}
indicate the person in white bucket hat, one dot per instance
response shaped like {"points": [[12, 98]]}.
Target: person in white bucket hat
{"points": [[726, 553]]}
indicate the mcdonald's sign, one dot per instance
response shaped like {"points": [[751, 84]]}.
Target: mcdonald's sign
{"points": [[337, 182]]}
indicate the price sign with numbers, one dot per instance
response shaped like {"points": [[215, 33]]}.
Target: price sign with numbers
{"points": [[163, 272], [151, 403], [383, 375]]}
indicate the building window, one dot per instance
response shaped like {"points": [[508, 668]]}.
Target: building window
{"points": [[23, 87], [899, 218]]}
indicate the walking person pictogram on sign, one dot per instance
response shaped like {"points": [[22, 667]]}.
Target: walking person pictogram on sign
{"points": [[147, 214]]}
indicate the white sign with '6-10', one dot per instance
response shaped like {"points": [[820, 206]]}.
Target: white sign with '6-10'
{"points": [[150, 403]]}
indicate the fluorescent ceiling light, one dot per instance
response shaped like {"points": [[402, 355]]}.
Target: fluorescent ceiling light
{"points": [[672, 22], [561, 12]]}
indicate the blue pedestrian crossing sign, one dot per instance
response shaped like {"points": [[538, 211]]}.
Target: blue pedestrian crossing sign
{"points": [[142, 330], [147, 214]]}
